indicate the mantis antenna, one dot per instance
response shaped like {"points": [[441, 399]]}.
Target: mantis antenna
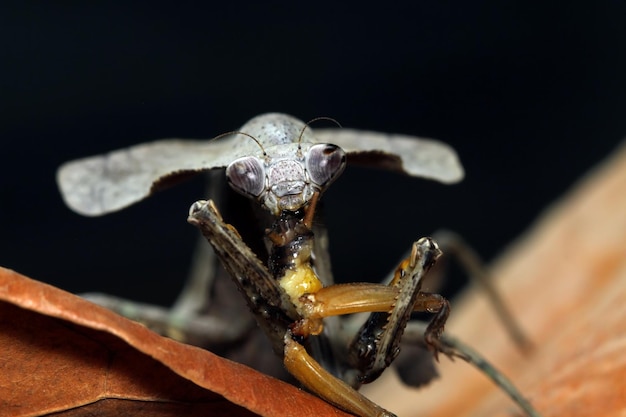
{"points": [[237, 132], [312, 121]]}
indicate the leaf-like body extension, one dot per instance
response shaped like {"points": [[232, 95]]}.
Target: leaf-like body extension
{"points": [[104, 183], [409, 155], [101, 184], [62, 354]]}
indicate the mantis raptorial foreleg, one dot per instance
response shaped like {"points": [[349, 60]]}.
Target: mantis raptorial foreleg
{"points": [[276, 311]]}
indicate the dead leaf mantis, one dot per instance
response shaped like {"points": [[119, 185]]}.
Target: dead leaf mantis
{"points": [[284, 167]]}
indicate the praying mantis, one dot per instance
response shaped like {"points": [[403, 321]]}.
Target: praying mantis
{"points": [[284, 167]]}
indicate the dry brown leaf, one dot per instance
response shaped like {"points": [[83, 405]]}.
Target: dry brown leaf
{"points": [[62, 354], [566, 282]]}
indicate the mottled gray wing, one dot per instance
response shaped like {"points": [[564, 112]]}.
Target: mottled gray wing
{"points": [[101, 184], [418, 157]]}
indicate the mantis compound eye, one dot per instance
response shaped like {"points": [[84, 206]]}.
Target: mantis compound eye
{"points": [[246, 175], [325, 163]]}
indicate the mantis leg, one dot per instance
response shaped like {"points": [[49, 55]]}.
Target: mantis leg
{"points": [[311, 374], [455, 247], [378, 341]]}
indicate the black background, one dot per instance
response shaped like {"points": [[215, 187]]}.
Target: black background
{"points": [[530, 95]]}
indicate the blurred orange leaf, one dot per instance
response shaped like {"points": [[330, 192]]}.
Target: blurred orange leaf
{"points": [[61, 354], [565, 280]]}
